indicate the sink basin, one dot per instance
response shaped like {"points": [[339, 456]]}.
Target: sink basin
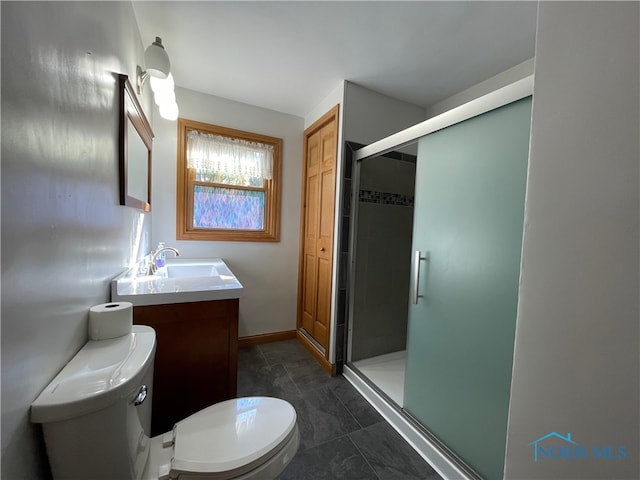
{"points": [[181, 280], [185, 270]]}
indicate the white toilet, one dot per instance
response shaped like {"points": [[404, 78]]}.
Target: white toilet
{"points": [[96, 415]]}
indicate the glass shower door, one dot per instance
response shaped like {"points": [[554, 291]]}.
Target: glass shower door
{"points": [[467, 238]]}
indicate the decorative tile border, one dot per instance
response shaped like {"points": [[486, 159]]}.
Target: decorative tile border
{"points": [[384, 198]]}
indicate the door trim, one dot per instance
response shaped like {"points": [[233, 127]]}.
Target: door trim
{"points": [[315, 352]]}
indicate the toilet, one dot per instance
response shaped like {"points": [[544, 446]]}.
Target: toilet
{"points": [[96, 418]]}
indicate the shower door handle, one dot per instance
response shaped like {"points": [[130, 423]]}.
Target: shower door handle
{"points": [[417, 258]]}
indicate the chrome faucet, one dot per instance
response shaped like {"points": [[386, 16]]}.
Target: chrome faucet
{"points": [[152, 265]]}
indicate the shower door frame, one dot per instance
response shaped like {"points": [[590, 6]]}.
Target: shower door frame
{"points": [[445, 462]]}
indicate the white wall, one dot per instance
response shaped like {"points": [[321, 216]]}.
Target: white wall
{"points": [[268, 271], [370, 116], [576, 362], [518, 72], [64, 234], [335, 97]]}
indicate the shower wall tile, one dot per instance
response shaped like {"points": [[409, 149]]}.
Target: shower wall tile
{"points": [[345, 233], [382, 272], [343, 258], [385, 198], [346, 197]]}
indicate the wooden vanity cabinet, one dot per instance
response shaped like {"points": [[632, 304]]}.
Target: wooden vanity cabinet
{"points": [[196, 357]]}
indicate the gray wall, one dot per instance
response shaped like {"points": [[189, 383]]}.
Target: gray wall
{"points": [[64, 234], [576, 362]]}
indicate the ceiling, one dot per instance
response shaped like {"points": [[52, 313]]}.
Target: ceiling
{"points": [[288, 56]]}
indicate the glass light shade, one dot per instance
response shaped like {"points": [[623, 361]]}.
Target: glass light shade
{"points": [[164, 97], [169, 111], [156, 60], [162, 84]]}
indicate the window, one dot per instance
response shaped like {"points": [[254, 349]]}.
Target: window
{"points": [[228, 184]]}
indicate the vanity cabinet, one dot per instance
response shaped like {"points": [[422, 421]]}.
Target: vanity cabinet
{"points": [[196, 357]]}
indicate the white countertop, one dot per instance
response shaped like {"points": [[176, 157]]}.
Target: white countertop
{"points": [[161, 289]]}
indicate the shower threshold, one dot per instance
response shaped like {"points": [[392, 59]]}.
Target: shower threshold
{"points": [[387, 373]]}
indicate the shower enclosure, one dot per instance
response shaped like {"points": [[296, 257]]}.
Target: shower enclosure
{"points": [[434, 263]]}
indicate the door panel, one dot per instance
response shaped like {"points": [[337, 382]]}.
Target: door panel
{"points": [[327, 199], [468, 223], [310, 235], [309, 293], [321, 326]]}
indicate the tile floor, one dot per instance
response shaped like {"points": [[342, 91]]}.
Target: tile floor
{"points": [[341, 435]]}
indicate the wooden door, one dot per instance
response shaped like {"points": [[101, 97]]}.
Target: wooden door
{"points": [[316, 258]]}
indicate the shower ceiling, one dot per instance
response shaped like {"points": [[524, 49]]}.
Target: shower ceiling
{"points": [[288, 56]]}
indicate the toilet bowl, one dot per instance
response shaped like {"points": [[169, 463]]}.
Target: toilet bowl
{"points": [[96, 415]]}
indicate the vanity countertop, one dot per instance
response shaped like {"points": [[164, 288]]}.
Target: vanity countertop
{"points": [[181, 280]]}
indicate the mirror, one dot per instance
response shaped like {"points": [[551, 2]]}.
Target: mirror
{"points": [[135, 150]]}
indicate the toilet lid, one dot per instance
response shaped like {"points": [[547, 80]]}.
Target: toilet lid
{"points": [[232, 437]]}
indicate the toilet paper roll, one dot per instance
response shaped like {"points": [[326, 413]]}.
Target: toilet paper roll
{"points": [[110, 320]]}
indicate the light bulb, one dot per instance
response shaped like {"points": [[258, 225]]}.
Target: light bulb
{"points": [[162, 84], [164, 97], [169, 111]]}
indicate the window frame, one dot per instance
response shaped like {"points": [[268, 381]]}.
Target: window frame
{"points": [[185, 183]]}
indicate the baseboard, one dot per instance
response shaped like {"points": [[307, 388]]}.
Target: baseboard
{"points": [[244, 342], [328, 367]]}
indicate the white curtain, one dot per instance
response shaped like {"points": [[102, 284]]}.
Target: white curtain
{"points": [[234, 156]]}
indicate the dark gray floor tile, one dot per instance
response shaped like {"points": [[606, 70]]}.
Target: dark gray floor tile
{"points": [[283, 352], [321, 417], [362, 410], [309, 375], [338, 459], [269, 381], [250, 357], [342, 435], [390, 455]]}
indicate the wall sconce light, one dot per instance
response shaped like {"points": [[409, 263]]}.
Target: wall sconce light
{"points": [[158, 71]]}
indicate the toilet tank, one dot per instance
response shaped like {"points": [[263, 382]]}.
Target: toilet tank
{"points": [[96, 413]]}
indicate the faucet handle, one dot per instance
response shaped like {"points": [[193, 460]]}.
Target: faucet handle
{"points": [[142, 266]]}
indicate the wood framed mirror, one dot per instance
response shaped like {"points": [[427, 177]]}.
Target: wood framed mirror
{"points": [[135, 140]]}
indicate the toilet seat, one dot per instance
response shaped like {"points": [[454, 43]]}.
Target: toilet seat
{"points": [[231, 439]]}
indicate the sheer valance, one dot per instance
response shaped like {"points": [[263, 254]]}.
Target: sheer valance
{"points": [[232, 156]]}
